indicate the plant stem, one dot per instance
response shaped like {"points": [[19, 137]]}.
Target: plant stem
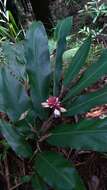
{"points": [[47, 124]]}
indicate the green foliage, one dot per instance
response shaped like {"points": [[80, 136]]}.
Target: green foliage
{"points": [[13, 98], [63, 29], [15, 140], [91, 75], [87, 135], [38, 65], [95, 10], [38, 183], [85, 102], [32, 101], [57, 171], [8, 27], [77, 61]]}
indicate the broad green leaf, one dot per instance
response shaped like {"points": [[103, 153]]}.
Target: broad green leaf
{"points": [[16, 141], [63, 29], [15, 51], [57, 172], [38, 65], [86, 135], [13, 97], [78, 61], [68, 55], [90, 100], [91, 75], [15, 58], [38, 183]]}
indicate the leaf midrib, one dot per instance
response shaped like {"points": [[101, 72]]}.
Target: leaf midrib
{"points": [[88, 101], [38, 73], [63, 176], [84, 81], [76, 66], [79, 132]]}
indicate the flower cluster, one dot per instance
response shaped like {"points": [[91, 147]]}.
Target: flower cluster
{"points": [[54, 103]]}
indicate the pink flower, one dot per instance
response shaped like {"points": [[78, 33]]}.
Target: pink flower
{"points": [[54, 103]]}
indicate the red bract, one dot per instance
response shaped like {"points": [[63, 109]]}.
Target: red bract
{"points": [[54, 103]]}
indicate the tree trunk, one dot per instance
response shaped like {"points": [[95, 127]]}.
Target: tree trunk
{"points": [[25, 12], [42, 12], [21, 10]]}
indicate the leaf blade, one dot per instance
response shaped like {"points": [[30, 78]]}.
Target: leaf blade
{"points": [[13, 98], [17, 143], [38, 64], [91, 75], [38, 183], [63, 29], [58, 172], [85, 102], [86, 135], [78, 61]]}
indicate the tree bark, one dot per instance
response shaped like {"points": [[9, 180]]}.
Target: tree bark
{"points": [[42, 12]]}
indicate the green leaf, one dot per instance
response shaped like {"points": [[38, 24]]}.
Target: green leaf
{"points": [[85, 102], [86, 135], [63, 29], [16, 141], [38, 183], [38, 65], [91, 75], [15, 58], [23, 128], [68, 55], [13, 97], [5, 33], [57, 172], [12, 21], [25, 179], [78, 61]]}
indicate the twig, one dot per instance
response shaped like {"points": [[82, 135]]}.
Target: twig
{"points": [[24, 170], [76, 119], [63, 91], [14, 187], [7, 172], [44, 137], [35, 152], [33, 129]]}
